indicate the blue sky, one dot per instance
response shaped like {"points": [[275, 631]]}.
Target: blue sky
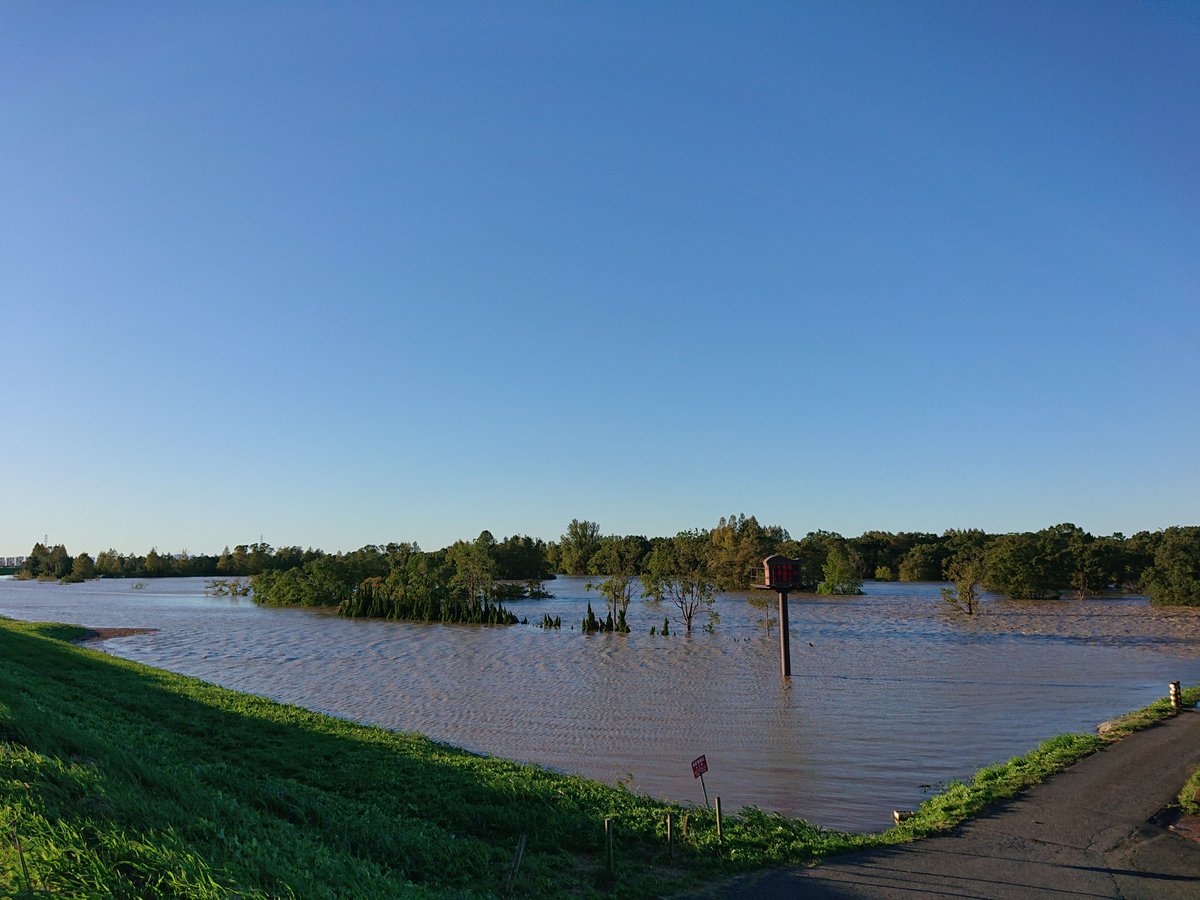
{"points": [[337, 274]]}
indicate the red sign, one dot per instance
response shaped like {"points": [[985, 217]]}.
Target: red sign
{"points": [[699, 767]]}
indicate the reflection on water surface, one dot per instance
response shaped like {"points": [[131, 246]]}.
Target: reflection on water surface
{"points": [[890, 693]]}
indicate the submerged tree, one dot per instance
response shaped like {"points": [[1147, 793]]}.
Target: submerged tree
{"points": [[678, 569], [764, 606], [1030, 565], [46, 563], [1174, 579], [812, 551], [474, 567], [521, 558], [619, 558], [578, 545], [739, 545], [591, 624], [82, 569], [966, 573], [841, 573], [923, 562]]}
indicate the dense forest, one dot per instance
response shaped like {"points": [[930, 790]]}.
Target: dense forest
{"points": [[467, 580]]}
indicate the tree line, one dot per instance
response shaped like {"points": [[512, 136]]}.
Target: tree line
{"points": [[467, 576], [461, 583], [1061, 560], [54, 563]]}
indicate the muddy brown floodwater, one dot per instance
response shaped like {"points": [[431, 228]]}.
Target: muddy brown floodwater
{"points": [[892, 693]]}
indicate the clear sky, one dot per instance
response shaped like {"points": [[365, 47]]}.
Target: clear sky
{"points": [[344, 273]]}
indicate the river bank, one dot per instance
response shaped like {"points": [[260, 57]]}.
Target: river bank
{"points": [[123, 780], [1104, 827], [127, 780]]}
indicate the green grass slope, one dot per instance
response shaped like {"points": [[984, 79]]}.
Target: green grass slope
{"points": [[127, 781], [120, 780]]}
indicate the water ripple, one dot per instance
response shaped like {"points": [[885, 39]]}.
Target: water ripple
{"points": [[890, 692]]}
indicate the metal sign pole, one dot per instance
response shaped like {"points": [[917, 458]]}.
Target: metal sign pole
{"points": [[699, 767]]}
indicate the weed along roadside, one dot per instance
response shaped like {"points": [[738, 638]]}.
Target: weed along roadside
{"points": [[123, 780]]}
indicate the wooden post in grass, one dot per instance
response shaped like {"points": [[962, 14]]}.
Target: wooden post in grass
{"points": [[1176, 694], [516, 864], [21, 854], [670, 844], [608, 842], [718, 820]]}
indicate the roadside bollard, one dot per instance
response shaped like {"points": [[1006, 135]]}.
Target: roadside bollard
{"points": [[1176, 696]]}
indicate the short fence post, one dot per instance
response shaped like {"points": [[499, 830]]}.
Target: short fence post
{"points": [[1176, 696], [21, 854], [608, 842], [516, 864], [718, 820], [670, 844]]}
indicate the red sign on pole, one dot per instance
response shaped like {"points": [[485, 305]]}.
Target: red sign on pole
{"points": [[699, 767]]}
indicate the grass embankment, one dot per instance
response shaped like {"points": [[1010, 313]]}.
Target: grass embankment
{"points": [[1189, 795], [122, 780]]}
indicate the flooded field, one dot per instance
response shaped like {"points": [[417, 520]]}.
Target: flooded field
{"points": [[892, 694]]}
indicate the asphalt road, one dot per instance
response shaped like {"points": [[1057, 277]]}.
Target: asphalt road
{"points": [[1083, 833]]}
